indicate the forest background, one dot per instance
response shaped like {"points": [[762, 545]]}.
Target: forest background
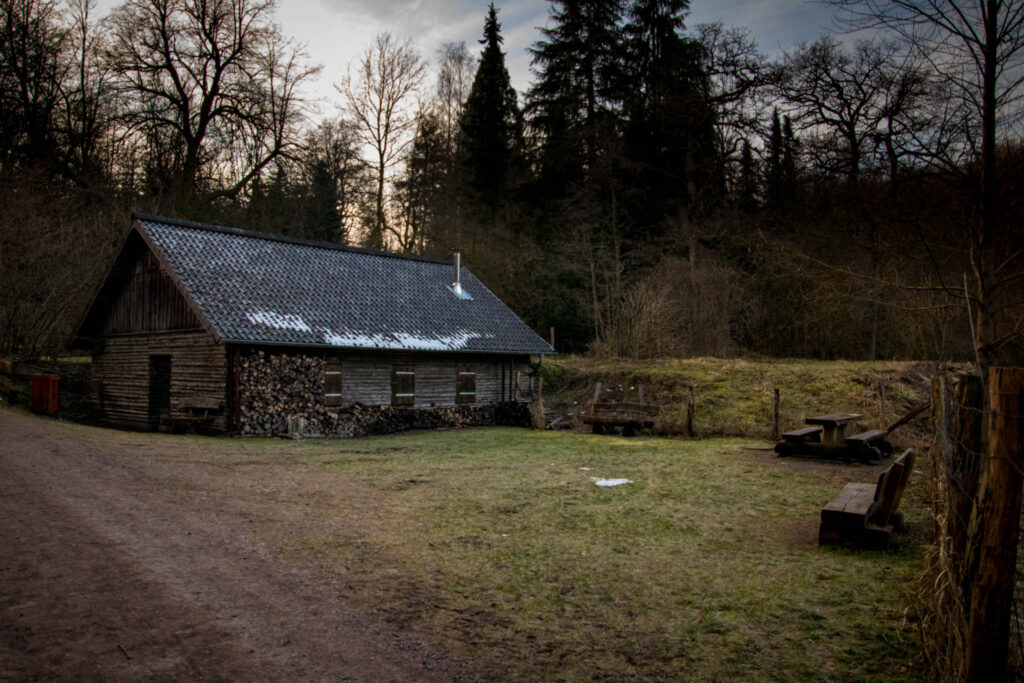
{"points": [[658, 190]]}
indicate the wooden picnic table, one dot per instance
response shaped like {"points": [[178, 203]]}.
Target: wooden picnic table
{"points": [[834, 425]]}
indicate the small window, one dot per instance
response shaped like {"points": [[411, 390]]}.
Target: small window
{"points": [[332, 383], [403, 385], [465, 384]]}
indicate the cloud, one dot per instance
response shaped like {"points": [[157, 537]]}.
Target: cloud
{"points": [[777, 25], [338, 31]]}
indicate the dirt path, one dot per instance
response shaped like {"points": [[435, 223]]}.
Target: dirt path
{"points": [[167, 566]]}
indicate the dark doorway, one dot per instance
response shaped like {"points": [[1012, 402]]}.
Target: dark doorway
{"points": [[159, 390]]}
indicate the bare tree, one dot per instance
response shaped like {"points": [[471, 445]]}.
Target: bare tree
{"points": [[33, 66], [330, 156], [378, 96], [213, 79], [738, 77], [977, 48], [453, 83]]}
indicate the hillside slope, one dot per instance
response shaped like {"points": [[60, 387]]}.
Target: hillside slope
{"points": [[733, 397]]}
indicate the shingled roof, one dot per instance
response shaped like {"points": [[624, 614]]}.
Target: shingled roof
{"points": [[256, 288]]}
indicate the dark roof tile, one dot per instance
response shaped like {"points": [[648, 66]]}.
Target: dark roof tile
{"points": [[264, 289]]}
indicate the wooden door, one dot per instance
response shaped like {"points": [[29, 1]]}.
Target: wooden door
{"points": [[159, 390]]}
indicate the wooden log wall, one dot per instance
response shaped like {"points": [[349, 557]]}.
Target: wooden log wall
{"points": [[276, 385], [366, 377], [121, 375]]}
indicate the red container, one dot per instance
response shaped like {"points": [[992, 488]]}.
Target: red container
{"points": [[46, 394]]}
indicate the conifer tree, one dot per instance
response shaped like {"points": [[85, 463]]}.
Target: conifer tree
{"points": [[773, 165], [788, 187], [573, 101], [670, 135], [491, 141], [747, 184]]}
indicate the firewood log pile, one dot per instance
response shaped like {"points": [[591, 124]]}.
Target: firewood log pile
{"points": [[276, 387], [363, 420]]}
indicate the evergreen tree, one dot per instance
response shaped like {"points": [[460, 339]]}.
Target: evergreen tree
{"points": [[788, 188], [323, 217], [747, 184], [574, 101], [773, 166], [420, 189], [491, 141], [672, 159]]}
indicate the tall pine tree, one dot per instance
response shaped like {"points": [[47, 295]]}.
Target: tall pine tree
{"points": [[491, 140], [748, 181], [574, 100], [672, 164], [773, 193]]}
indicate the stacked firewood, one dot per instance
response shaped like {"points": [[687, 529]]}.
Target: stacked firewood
{"points": [[361, 420], [278, 389], [274, 387]]}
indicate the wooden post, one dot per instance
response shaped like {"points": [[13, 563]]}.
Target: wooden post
{"points": [[689, 411], [640, 393], [883, 420], [597, 397], [552, 332], [775, 415], [537, 407], [994, 530]]}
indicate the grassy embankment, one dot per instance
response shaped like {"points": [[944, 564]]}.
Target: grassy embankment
{"points": [[705, 567], [733, 396]]}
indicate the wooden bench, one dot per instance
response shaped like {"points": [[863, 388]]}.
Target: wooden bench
{"points": [[863, 515], [804, 434], [199, 413]]}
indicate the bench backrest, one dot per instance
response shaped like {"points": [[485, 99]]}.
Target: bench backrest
{"points": [[199, 403], [889, 491]]}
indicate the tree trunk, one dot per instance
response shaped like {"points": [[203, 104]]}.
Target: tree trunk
{"points": [[994, 530]]}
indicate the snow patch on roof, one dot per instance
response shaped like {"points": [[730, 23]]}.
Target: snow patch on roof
{"points": [[401, 340], [282, 321]]}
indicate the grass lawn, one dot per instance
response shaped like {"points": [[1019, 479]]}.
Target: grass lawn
{"points": [[705, 567]]}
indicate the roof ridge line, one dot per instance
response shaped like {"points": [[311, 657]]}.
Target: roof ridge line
{"points": [[181, 222]]}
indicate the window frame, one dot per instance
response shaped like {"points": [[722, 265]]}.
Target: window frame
{"points": [[403, 384], [465, 375], [333, 399]]}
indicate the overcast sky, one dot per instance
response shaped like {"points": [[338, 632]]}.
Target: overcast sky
{"points": [[336, 31]]}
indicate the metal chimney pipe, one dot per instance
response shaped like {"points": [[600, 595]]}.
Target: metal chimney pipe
{"points": [[457, 262]]}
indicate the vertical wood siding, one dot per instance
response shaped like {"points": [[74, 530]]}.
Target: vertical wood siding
{"points": [[149, 302], [121, 375]]}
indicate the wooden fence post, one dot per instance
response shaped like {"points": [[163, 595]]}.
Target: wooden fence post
{"points": [[994, 530], [690, 406], [775, 415], [881, 404], [537, 420]]}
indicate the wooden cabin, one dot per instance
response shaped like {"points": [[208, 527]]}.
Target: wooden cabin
{"points": [[244, 332]]}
